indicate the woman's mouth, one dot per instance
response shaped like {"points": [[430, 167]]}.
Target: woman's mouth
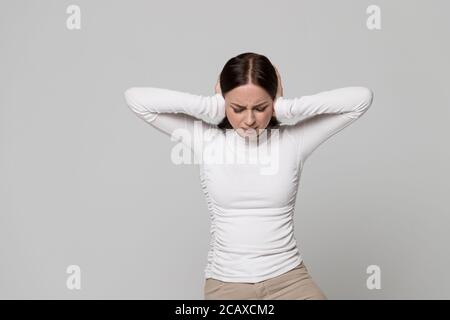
{"points": [[250, 131]]}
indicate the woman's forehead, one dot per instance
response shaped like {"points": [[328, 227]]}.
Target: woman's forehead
{"points": [[248, 95]]}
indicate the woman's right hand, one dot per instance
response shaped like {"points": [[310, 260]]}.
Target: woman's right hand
{"points": [[217, 88]]}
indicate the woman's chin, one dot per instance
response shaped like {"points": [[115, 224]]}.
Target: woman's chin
{"points": [[248, 133]]}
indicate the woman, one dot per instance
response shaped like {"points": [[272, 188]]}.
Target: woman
{"points": [[253, 252]]}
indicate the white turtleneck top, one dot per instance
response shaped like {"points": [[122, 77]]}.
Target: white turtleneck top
{"points": [[250, 185]]}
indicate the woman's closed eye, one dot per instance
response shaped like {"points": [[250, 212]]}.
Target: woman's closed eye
{"points": [[259, 109]]}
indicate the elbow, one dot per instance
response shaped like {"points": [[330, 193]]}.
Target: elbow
{"points": [[360, 101], [131, 100], [367, 96], [365, 99], [139, 104], [129, 96]]}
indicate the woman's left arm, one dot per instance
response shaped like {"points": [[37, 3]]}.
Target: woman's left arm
{"points": [[315, 118]]}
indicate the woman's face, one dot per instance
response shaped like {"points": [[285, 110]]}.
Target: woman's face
{"points": [[248, 107]]}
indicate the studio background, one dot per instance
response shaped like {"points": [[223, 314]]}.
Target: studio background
{"points": [[84, 182]]}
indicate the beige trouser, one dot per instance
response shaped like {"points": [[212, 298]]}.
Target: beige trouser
{"points": [[295, 284]]}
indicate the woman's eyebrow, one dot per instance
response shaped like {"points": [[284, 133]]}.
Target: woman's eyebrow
{"points": [[258, 105]]}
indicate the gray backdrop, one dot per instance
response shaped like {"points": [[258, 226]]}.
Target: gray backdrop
{"points": [[84, 182]]}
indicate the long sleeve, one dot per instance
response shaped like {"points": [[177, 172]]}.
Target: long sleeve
{"points": [[315, 118], [168, 110]]}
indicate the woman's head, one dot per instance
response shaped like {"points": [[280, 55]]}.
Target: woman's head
{"points": [[249, 84]]}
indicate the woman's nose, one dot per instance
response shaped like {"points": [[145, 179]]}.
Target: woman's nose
{"points": [[250, 119]]}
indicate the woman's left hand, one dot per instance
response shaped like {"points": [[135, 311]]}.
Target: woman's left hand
{"points": [[279, 92], [280, 86]]}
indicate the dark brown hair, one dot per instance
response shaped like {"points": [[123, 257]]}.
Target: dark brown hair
{"points": [[244, 68]]}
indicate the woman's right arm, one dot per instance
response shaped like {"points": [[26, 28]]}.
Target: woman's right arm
{"points": [[168, 110]]}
